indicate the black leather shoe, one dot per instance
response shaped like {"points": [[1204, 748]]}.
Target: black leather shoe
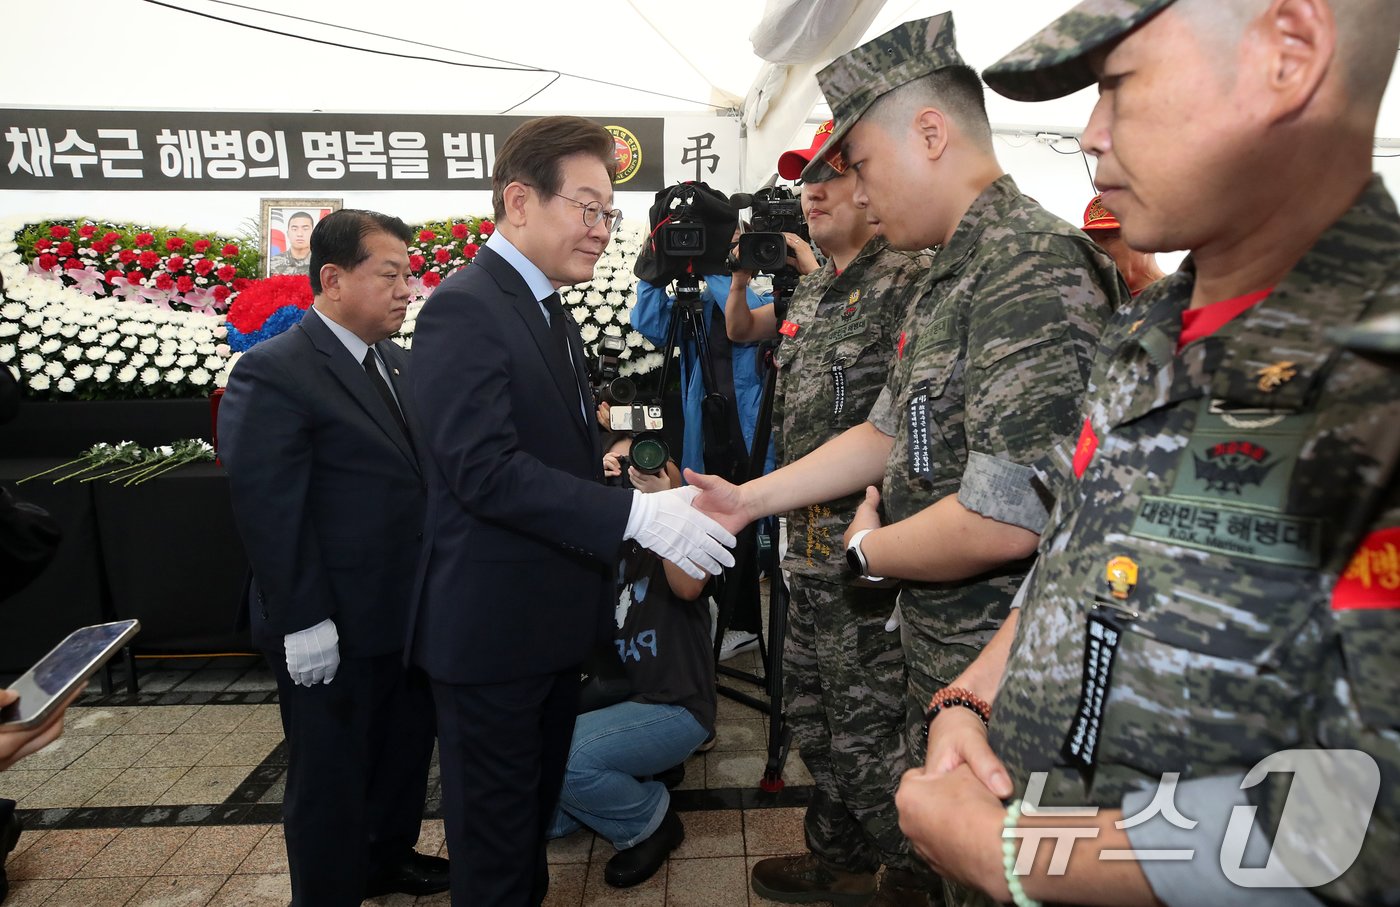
{"points": [[414, 873], [671, 776], [9, 837], [638, 863]]}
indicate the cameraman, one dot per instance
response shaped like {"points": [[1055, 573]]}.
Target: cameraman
{"points": [[662, 635], [844, 672], [741, 382]]}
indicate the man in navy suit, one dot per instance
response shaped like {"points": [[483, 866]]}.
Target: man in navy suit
{"points": [[520, 559], [318, 437]]}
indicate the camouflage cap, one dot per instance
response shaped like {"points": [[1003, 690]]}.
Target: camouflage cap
{"points": [[1052, 64], [855, 80]]}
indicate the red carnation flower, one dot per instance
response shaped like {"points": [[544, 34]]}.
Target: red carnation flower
{"points": [[227, 273], [111, 237], [73, 264], [101, 248], [221, 292], [126, 256], [164, 281], [202, 245], [470, 250], [58, 231], [262, 298], [230, 250], [43, 245], [441, 256], [149, 259], [111, 276], [426, 236], [185, 283], [174, 263], [173, 243], [86, 231], [135, 276], [416, 262], [241, 284], [144, 239], [203, 267], [65, 249], [48, 261], [460, 231], [432, 279], [487, 228]]}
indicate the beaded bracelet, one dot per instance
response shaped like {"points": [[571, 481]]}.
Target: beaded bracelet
{"points": [[1008, 858], [959, 696]]}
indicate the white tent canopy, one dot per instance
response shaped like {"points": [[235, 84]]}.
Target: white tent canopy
{"points": [[548, 56]]}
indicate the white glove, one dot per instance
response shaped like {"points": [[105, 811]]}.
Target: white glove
{"points": [[313, 654], [665, 522]]}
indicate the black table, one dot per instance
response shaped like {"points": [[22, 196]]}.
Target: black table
{"points": [[165, 552]]}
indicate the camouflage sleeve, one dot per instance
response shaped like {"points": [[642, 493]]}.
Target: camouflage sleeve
{"points": [[1034, 328], [884, 414]]}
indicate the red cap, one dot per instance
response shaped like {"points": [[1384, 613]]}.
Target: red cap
{"points": [[1097, 217], [791, 164]]}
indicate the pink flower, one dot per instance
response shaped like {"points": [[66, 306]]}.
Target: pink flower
{"points": [[174, 263], [173, 243], [460, 231], [58, 231], [487, 228], [432, 279], [144, 239], [426, 236]]}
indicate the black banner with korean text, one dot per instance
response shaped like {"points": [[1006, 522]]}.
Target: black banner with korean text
{"points": [[323, 153]]}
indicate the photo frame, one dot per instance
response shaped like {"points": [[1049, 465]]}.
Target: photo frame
{"points": [[282, 239]]}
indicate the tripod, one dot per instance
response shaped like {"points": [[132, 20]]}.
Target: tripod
{"points": [[739, 586]]}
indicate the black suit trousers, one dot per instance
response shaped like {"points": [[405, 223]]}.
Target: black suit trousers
{"points": [[359, 749], [503, 751]]}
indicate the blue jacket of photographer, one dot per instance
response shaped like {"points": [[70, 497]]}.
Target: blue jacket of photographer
{"points": [[652, 319]]}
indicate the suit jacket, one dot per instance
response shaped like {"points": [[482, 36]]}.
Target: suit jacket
{"points": [[519, 561], [327, 492]]}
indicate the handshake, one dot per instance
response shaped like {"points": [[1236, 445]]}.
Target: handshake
{"points": [[692, 527]]}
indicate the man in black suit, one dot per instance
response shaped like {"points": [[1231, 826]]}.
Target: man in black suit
{"points": [[519, 570], [318, 438]]}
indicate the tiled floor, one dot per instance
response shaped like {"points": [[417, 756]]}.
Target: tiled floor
{"points": [[173, 797]]}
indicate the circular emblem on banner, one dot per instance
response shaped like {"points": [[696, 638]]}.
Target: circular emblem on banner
{"points": [[629, 154]]}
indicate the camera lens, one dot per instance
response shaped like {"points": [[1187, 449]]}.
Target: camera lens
{"points": [[649, 453], [620, 390]]}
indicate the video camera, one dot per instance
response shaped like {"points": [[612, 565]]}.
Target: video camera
{"points": [[642, 420], [691, 228], [775, 211]]}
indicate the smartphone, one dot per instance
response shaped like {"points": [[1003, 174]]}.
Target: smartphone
{"points": [[47, 685]]}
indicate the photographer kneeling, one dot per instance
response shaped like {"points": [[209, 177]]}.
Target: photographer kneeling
{"points": [[663, 641]]}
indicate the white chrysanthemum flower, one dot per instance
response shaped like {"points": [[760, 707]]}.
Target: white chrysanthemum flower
{"points": [[11, 310], [186, 347], [82, 371], [89, 335], [28, 340], [96, 353], [149, 345], [126, 375], [634, 339], [589, 332], [175, 375], [603, 314], [150, 376], [51, 326], [69, 353], [214, 363], [33, 319], [70, 329], [580, 313], [164, 360], [114, 356], [31, 362], [7, 352], [166, 332], [66, 385], [139, 359], [102, 374], [54, 369], [39, 382], [200, 377], [189, 360], [106, 324], [129, 343], [109, 338], [50, 345]]}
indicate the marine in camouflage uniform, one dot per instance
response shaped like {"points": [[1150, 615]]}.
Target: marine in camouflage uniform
{"points": [[844, 678], [987, 373], [987, 378]]}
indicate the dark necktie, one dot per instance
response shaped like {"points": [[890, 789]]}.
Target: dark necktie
{"points": [[561, 339], [372, 369]]}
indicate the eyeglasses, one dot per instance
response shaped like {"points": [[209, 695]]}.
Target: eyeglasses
{"points": [[592, 212]]}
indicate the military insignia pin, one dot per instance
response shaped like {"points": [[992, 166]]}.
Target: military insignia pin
{"points": [[1122, 576], [851, 302], [1272, 377]]}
